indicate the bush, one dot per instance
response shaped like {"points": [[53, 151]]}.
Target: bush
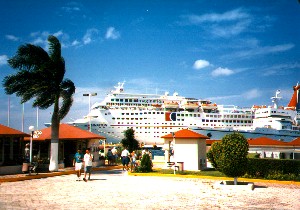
{"points": [[277, 169], [230, 155], [146, 164]]}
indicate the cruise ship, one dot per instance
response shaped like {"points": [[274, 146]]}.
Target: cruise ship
{"points": [[152, 116]]}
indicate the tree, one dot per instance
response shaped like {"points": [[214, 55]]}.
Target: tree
{"points": [[146, 164], [230, 155], [41, 76], [129, 141]]}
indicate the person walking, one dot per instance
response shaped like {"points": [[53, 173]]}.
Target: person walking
{"points": [[109, 157], [125, 158], [114, 153], [133, 161], [77, 163], [88, 163]]}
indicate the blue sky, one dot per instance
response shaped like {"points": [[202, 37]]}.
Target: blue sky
{"points": [[231, 52]]}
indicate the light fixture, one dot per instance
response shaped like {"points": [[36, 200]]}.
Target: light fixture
{"points": [[31, 129]]}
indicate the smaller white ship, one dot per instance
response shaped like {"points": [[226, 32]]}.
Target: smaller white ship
{"points": [[276, 122]]}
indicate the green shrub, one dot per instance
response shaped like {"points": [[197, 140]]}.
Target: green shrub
{"points": [[276, 169], [230, 155], [146, 164]]}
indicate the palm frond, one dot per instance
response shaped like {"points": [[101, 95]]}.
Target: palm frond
{"points": [[68, 89], [29, 57]]}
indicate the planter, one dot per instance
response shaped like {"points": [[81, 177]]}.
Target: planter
{"points": [[229, 185]]}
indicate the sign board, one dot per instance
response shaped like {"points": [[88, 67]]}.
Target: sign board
{"points": [[36, 134]]}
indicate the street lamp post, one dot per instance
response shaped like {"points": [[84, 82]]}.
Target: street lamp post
{"points": [[31, 129], [89, 95], [175, 164]]}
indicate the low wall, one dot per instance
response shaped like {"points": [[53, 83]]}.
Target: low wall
{"points": [[4, 170]]}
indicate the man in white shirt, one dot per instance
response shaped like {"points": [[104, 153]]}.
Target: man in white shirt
{"points": [[114, 152], [125, 158], [88, 163]]}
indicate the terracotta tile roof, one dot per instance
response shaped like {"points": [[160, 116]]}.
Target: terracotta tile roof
{"points": [[7, 131], [210, 141], [186, 134], [266, 141], [68, 132], [295, 142]]}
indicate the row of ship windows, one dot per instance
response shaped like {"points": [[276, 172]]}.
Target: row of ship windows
{"points": [[203, 120], [227, 125], [150, 123], [229, 116], [135, 100], [99, 125], [136, 119], [228, 121], [188, 115]]}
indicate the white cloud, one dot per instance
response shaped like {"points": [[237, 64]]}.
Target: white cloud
{"points": [[251, 94], [225, 24], [112, 33], [264, 50], [70, 9], [58, 34], [200, 64], [75, 43], [221, 72], [41, 38], [3, 59], [230, 30], [232, 15], [90, 36], [12, 38], [40, 41]]}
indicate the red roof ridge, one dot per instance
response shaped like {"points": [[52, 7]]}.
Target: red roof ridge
{"points": [[4, 130], [68, 132], [186, 134]]}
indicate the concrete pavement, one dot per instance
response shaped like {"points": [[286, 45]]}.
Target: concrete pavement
{"points": [[115, 189]]}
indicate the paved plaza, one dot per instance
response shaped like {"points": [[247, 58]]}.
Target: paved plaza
{"points": [[115, 189]]}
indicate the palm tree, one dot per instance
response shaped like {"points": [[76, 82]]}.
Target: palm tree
{"points": [[41, 76]]}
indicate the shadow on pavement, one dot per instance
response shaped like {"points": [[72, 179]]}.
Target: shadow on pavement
{"points": [[115, 172]]}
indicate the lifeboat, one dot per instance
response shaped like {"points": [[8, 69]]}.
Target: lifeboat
{"points": [[209, 106], [258, 107], [190, 105], [171, 105], [156, 105]]}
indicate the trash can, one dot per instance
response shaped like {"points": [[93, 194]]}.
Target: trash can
{"points": [[25, 167], [180, 166]]}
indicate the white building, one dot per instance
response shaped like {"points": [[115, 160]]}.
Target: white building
{"points": [[186, 148]]}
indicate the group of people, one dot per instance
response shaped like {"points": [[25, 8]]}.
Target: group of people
{"points": [[87, 160], [112, 155], [128, 158]]}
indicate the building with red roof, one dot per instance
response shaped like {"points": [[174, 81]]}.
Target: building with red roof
{"points": [[10, 145], [187, 148], [71, 139], [11, 152], [270, 148]]}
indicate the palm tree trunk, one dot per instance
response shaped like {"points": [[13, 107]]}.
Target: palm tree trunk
{"points": [[53, 166]]}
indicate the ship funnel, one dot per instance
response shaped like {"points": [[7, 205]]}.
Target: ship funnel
{"points": [[294, 102]]}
